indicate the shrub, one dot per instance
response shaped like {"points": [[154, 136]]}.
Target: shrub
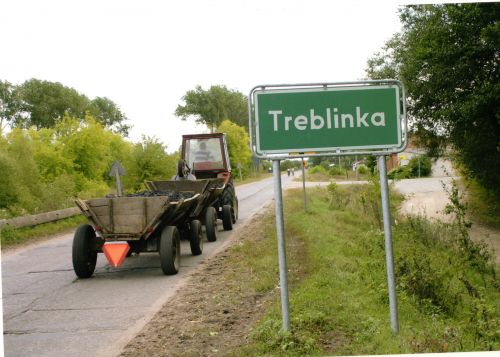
{"points": [[336, 171], [362, 170], [412, 169], [317, 169], [425, 166], [399, 173]]}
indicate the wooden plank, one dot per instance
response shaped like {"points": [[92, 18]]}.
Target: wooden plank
{"points": [[196, 186], [130, 205], [111, 213], [155, 207], [33, 220], [129, 224], [96, 202], [145, 214]]}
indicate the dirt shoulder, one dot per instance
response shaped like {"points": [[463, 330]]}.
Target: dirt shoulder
{"points": [[214, 311], [426, 197]]}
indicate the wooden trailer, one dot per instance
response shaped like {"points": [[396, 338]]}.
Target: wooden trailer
{"points": [[122, 225]]}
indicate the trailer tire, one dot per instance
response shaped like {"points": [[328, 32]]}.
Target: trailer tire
{"points": [[211, 224], [83, 255], [170, 250], [229, 198], [227, 217], [195, 237]]}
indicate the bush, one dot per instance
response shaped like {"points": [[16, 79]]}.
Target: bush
{"points": [[43, 170], [412, 169], [336, 171], [425, 166], [317, 170], [362, 170], [399, 173]]}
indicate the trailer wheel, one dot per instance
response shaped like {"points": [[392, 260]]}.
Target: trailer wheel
{"points": [[170, 250], [195, 237], [84, 256], [211, 224], [229, 198], [227, 217]]}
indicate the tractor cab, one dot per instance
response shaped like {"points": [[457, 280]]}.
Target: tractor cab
{"points": [[206, 156]]}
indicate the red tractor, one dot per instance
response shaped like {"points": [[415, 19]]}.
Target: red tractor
{"points": [[205, 156]]}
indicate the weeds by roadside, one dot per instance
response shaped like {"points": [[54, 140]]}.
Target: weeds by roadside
{"points": [[448, 291]]}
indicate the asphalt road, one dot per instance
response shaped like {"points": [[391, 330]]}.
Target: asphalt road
{"points": [[47, 311]]}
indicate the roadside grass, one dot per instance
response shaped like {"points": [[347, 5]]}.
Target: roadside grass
{"points": [[258, 176], [483, 206], [325, 177], [14, 236], [447, 286]]}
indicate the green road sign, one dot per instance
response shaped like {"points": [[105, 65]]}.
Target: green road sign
{"points": [[329, 119]]}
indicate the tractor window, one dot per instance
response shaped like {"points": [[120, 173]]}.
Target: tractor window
{"points": [[204, 154]]}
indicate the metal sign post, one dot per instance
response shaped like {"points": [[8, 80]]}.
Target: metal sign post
{"points": [[117, 170], [280, 234], [304, 185], [239, 166], [389, 258]]}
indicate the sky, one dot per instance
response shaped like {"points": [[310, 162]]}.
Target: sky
{"points": [[146, 54]]}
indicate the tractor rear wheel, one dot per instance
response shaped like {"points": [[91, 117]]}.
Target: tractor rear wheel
{"points": [[170, 250], [211, 224], [84, 255], [195, 237]]}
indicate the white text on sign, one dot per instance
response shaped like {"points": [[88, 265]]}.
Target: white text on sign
{"points": [[316, 122]]}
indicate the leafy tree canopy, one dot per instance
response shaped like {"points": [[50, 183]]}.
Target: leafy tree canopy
{"points": [[43, 104], [237, 142], [9, 105], [44, 169], [448, 59], [212, 106]]}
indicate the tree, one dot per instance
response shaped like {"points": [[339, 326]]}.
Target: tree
{"points": [[109, 114], [212, 106], [10, 105], [43, 104], [237, 142], [47, 102], [150, 161], [447, 57]]}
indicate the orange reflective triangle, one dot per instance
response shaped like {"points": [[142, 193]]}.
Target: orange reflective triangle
{"points": [[115, 252]]}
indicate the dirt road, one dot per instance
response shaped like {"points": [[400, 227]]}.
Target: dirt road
{"points": [[47, 311], [427, 197]]}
